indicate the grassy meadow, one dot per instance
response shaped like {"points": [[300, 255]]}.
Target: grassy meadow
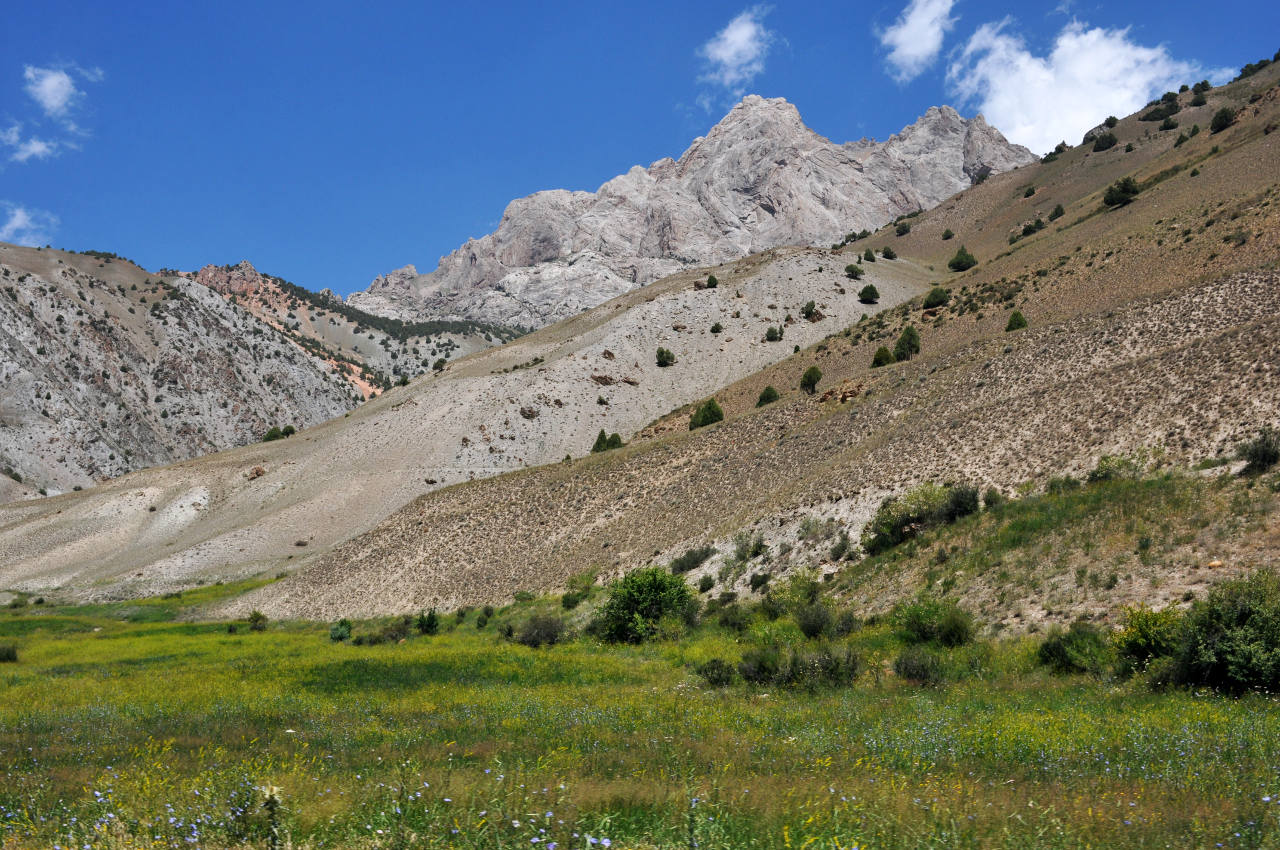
{"points": [[128, 725]]}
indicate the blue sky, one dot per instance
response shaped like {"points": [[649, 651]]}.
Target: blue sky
{"points": [[331, 142]]}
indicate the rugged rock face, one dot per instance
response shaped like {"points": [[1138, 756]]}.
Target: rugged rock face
{"points": [[105, 369], [760, 179]]}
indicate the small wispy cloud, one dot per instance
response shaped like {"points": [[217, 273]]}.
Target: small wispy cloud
{"points": [[55, 91], [735, 55], [1088, 74], [915, 39], [25, 226]]}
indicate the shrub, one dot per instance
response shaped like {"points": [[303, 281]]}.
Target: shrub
{"points": [[1080, 649], [340, 630], [760, 665], [1169, 124], [1031, 190], [758, 582], [712, 283], [814, 620], [638, 601], [428, 623], [888, 253], [257, 621], [734, 618], [692, 559], [716, 672], [1111, 121], [768, 395], [572, 599], [868, 256], [773, 334], [920, 665], [1262, 452], [8, 653], [1222, 119], [809, 380], [917, 510], [937, 297], [903, 228], [1231, 641], [1198, 99], [993, 498], [962, 261], [908, 344], [706, 583], [882, 357], [947, 234], [809, 309], [1121, 192], [853, 271], [826, 666], [1017, 321], [717, 328], [665, 358], [933, 621], [541, 630], [1146, 635], [273, 434], [1114, 468], [601, 444], [707, 413], [1058, 212], [1104, 142], [869, 294]]}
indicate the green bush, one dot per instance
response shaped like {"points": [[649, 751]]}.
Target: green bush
{"points": [[1262, 452], [716, 672], [882, 357], [1031, 190], [601, 444], [903, 228], [825, 667], [1017, 321], [1169, 124], [1058, 212], [947, 234], [692, 559], [8, 653], [768, 395], [340, 630], [937, 297], [1121, 192], [712, 283], [541, 630], [665, 358], [814, 620], [428, 623], [1222, 119], [706, 583], [908, 344], [773, 334], [638, 601], [869, 294], [888, 253], [929, 620], [854, 271], [962, 261], [707, 413], [1198, 99], [868, 256], [717, 328], [1080, 649], [809, 310], [809, 380], [1104, 142], [920, 508], [257, 621], [1111, 121], [1231, 641], [920, 665], [758, 582], [1146, 636]]}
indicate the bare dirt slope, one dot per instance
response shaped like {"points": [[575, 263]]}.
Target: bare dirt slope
{"points": [[259, 508], [1153, 327]]}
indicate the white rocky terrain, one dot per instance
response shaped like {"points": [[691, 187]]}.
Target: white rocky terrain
{"points": [[534, 401], [105, 368], [759, 179]]}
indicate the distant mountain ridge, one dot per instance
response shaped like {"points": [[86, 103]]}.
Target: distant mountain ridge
{"points": [[759, 179]]}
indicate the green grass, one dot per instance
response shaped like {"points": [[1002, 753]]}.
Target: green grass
{"points": [[174, 719]]}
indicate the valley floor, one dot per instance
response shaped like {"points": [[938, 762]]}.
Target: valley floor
{"points": [[123, 725]]}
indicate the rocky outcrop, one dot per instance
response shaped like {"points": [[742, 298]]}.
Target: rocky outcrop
{"points": [[758, 180]]}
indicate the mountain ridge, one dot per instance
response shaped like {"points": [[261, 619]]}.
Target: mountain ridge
{"points": [[759, 179]]}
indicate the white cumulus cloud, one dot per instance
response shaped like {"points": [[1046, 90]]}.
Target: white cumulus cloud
{"points": [[52, 88], [26, 226], [1088, 74], [735, 56], [915, 39], [33, 148]]}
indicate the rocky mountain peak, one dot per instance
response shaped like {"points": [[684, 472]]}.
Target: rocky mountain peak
{"points": [[759, 179]]}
